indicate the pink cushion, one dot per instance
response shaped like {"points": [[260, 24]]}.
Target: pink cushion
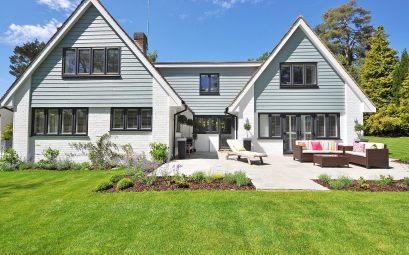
{"points": [[316, 145], [358, 147]]}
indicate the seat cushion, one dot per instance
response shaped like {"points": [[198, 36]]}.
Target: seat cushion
{"points": [[378, 145], [361, 154], [321, 151]]}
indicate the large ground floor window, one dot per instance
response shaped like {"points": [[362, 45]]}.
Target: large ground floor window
{"points": [[131, 119], [302, 125], [60, 121]]}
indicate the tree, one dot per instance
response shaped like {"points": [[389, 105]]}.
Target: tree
{"points": [[346, 30], [262, 58], [399, 75], [376, 72], [152, 56], [23, 56]]}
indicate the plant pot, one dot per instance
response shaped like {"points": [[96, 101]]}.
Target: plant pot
{"points": [[247, 144]]}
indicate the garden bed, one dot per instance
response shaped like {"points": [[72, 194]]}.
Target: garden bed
{"points": [[163, 184], [197, 181], [385, 184]]}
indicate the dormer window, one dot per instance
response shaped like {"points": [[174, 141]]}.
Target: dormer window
{"points": [[209, 84], [298, 75], [83, 62]]}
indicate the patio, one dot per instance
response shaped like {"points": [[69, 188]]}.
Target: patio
{"points": [[282, 172]]}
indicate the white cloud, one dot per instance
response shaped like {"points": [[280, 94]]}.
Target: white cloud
{"points": [[224, 6], [18, 34], [228, 4], [60, 5]]}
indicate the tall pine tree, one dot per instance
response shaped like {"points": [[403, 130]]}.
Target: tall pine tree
{"points": [[399, 75], [376, 72]]}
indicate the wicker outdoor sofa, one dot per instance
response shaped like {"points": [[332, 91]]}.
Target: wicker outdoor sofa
{"points": [[375, 155], [303, 151]]}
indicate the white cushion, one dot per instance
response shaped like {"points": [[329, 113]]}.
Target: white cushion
{"points": [[362, 154], [321, 151], [378, 145]]}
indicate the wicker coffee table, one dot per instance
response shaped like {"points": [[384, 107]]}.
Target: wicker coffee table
{"points": [[331, 160]]}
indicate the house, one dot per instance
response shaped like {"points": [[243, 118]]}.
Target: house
{"points": [[92, 78]]}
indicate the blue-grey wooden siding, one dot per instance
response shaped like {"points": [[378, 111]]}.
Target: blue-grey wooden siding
{"points": [[134, 88], [186, 84], [328, 98]]}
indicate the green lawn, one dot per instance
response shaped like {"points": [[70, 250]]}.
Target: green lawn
{"points": [[398, 146], [45, 212]]}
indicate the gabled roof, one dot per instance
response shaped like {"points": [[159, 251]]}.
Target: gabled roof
{"points": [[207, 64], [302, 24], [66, 27]]}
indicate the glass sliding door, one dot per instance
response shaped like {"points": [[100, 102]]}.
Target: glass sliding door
{"points": [[306, 132], [290, 132]]}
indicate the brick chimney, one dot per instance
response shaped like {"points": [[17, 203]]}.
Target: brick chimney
{"points": [[142, 41]]}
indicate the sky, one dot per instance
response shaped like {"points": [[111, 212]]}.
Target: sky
{"points": [[192, 30]]}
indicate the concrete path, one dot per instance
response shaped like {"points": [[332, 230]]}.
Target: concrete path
{"points": [[281, 172]]}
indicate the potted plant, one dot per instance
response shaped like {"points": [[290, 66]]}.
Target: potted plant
{"points": [[359, 128], [189, 123], [247, 141], [194, 135], [181, 121]]}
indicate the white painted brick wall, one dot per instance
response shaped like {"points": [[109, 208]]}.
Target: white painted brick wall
{"points": [[98, 124], [353, 111], [22, 120], [161, 115]]}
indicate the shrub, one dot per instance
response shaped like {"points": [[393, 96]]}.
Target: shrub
{"points": [[241, 178], [406, 181], [149, 179], [385, 180], [116, 178], [85, 166], [341, 182], [27, 165], [159, 152], [11, 157], [102, 154], [7, 167], [51, 155], [124, 183], [65, 164], [213, 177], [103, 186], [10, 160], [8, 132], [199, 176], [325, 178], [363, 184], [229, 178]]}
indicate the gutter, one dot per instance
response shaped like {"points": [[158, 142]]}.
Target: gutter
{"points": [[6, 108], [226, 111], [174, 127]]}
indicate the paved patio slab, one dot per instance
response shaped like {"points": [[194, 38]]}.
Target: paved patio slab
{"points": [[281, 172]]}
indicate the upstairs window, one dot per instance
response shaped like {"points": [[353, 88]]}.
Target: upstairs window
{"points": [[298, 75], [209, 84], [91, 62]]}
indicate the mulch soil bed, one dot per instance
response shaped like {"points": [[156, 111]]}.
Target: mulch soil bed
{"points": [[162, 184], [395, 186]]}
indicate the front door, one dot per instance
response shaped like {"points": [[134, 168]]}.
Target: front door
{"points": [[226, 131], [297, 127]]}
